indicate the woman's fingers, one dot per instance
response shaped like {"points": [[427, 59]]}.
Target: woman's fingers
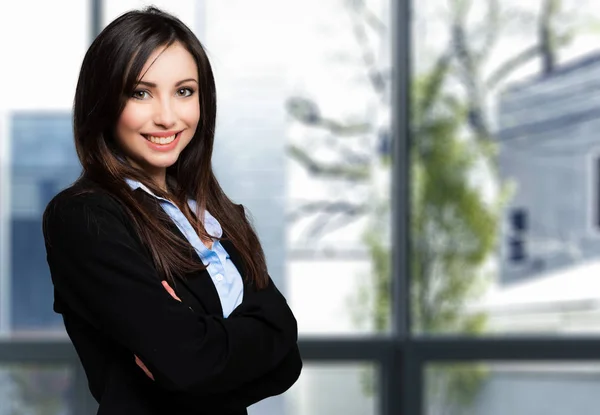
{"points": [[170, 290], [143, 366]]}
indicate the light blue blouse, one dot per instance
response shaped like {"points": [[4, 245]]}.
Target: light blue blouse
{"points": [[221, 269]]}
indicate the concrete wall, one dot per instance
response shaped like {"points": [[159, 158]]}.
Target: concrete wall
{"points": [[548, 147]]}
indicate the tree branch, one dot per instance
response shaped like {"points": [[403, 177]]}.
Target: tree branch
{"points": [[345, 130], [376, 77], [477, 118], [325, 223], [307, 112], [347, 172], [330, 207], [375, 22], [433, 87], [492, 30], [522, 58], [547, 36]]}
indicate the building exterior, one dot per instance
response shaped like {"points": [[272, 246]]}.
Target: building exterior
{"points": [[549, 148], [549, 280]]}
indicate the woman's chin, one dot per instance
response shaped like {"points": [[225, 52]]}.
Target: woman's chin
{"points": [[155, 165], [162, 161]]}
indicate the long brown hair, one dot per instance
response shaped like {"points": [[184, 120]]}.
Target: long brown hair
{"points": [[109, 74]]}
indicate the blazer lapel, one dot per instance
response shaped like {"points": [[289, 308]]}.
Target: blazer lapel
{"points": [[235, 257], [201, 290], [199, 284], [196, 289]]}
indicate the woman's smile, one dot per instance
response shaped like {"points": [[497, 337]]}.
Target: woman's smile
{"points": [[162, 143]]}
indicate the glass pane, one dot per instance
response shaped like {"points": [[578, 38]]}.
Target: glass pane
{"points": [[505, 189], [517, 388], [307, 120], [36, 148], [36, 390], [302, 140], [337, 151], [334, 389]]}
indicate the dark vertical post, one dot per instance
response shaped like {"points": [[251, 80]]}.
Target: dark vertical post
{"points": [[396, 387], [95, 17], [400, 169]]}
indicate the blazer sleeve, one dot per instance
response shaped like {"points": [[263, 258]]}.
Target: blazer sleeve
{"points": [[273, 383], [276, 382], [103, 272]]}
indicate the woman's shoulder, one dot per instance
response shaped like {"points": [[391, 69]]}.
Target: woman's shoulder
{"points": [[86, 213], [84, 198]]}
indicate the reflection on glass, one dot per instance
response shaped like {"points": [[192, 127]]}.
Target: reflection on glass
{"points": [[39, 390], [518, 388], [334, 389], [505, 167]]}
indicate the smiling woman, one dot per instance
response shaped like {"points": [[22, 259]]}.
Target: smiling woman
{"points": [[160, 278], [160, 120]]}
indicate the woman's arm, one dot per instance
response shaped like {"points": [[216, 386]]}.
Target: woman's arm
{"points": [[276, 382], [273, 383], [104, 273]]}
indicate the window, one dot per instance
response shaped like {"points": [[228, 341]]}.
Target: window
{"points": [[517, 235], [418, 169]]}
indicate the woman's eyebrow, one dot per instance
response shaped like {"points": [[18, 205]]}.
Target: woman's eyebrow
{"points": [[153, 85]]}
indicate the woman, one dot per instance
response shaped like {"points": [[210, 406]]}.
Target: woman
{"points": [[159, 277]]}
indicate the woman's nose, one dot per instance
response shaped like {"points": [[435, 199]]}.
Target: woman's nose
{"points": [[164, 114]]}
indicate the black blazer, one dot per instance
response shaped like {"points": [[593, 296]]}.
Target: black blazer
{"points": [[114, 306]]}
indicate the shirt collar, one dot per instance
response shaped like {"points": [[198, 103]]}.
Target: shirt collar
{"points": [[211, 224], [134, 184]]}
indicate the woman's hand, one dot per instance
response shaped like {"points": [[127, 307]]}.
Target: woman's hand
{"points": [[144, 368], [137, 359], [170, 290]]}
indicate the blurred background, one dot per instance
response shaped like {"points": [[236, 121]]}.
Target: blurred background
{"points": [[424, 178]]}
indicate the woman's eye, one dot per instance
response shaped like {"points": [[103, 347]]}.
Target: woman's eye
{"points": [[140, 94], [185, 92]]}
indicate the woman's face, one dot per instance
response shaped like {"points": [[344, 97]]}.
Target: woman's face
{"points": [[161, 117]]}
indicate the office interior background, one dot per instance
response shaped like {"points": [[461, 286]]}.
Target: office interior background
{"points": [[424, 177]]}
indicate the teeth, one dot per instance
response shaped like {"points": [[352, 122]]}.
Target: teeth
{"points": [[161, 140]]}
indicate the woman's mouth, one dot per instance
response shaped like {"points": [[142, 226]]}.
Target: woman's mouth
{"points": [[161, 140], [163, 143]]}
